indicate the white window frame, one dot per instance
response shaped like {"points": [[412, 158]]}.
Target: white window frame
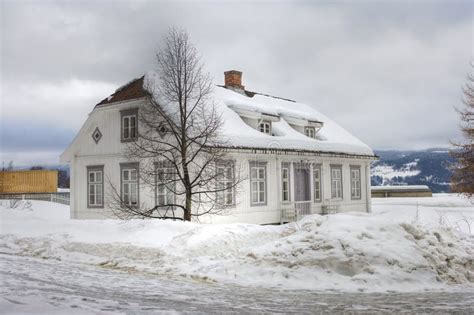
{"points": [[128, 131], [225, 190], [265, 127], [285, 181], [355, 182], [317, 181], [95, 186], [165, 185], [336, 182], [130, 190], [310, 132], [258, 183]]}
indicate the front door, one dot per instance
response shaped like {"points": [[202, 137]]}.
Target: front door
{"points": [[302, 184]]}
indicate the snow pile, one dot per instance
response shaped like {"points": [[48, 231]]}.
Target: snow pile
{"points": [[442, 210], [238, 134], [388, 250]]}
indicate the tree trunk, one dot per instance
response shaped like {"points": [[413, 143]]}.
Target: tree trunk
{"points": [[187, 211], [188, 188]]}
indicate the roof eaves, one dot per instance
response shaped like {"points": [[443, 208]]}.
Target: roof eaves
{"points": [[301, 151]]}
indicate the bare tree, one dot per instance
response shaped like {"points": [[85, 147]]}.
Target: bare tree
{"points": [[462, 180], [36, 168], [178, 146], [63, 178], [9, 166]]}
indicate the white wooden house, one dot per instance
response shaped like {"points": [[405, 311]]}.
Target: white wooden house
{"points": [[295, 160]]}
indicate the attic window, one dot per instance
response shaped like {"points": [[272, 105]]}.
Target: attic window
{"points": [[129, 121], [265, 127], [309, 132]]}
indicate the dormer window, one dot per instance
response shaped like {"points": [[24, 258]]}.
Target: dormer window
{"points": [[310, 132], [265, 127]]}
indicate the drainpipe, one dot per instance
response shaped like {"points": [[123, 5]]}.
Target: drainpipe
{"points": [[72, 188], [278, 176], [368, 196]]}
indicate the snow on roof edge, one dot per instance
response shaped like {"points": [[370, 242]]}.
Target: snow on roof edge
{"points": [[401, 187]]}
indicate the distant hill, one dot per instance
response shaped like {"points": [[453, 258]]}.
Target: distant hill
{"points": [[426, 167]]}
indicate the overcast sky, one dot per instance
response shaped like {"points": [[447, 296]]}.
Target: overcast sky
{"points": [[390, 73]]}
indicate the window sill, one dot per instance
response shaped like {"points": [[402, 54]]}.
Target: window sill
{"points": [[128, 140], [165, 207], [130, 206], [226, 206], [262, 204], [95, 207]]}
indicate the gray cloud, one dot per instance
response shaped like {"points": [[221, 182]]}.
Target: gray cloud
{"points": [[389, 72], [35, 136]]}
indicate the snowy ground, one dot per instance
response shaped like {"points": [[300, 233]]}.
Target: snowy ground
{"points": [[406, 245], [34, 286]]}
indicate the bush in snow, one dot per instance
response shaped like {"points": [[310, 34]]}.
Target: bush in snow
{"points": [[16, 204]]}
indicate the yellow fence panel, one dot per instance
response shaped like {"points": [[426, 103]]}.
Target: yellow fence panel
{"points": [[40, 181]]}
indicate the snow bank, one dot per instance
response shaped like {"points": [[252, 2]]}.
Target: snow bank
{"points": [[442, 210], [383, 251], [442, 200]]}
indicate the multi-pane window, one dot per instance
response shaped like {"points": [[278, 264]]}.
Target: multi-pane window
{"points": [[129, 124], [258, 183], [317, 182], [265, 127], [336, 182], [129, 190], [309, 132], [95, 186], [285, 182], [355, 182], [225, 183], [129, 127], [165, 184]]}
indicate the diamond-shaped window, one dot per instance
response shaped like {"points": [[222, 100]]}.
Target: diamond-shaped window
{"points": [[96, 135]]}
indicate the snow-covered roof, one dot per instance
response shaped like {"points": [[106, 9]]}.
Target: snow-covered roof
{"points": [[332, 137], [401, 188]]}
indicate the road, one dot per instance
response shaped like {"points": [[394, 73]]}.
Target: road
{"points": [[32, 285]]}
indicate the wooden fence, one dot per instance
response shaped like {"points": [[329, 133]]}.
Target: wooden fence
{"points": [[40, 181]]}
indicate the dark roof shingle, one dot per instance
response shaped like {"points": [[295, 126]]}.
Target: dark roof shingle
{"points": [[131, 90]]}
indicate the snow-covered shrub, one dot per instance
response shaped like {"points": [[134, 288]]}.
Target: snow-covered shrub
{"points": [[16, 204]]}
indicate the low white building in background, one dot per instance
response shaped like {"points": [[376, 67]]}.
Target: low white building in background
{"points": [[294, 160]]}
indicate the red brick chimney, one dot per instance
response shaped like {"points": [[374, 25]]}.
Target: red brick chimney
{"points": [[233, 79]]}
